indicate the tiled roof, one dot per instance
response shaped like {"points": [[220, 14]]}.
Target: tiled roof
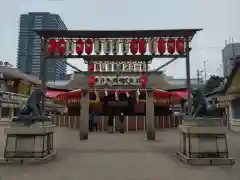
{"points": [[80, 82], [16, 74]]}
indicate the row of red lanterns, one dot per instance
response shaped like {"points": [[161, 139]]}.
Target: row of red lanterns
{"points": [[61, 46], [143, 79]]}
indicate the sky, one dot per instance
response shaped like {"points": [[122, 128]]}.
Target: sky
{"points": [[218, 18]]}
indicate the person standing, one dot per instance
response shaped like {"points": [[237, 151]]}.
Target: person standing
{"points": [[121, 119], [110, 123], [91, 120]]}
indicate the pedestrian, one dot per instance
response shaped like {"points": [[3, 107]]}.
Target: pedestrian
{"points": [[121, 119], [110, 123], [91, 119], [94, 122]]}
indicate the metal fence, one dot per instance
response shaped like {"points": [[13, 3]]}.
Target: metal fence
{"points": [[131, 123]]}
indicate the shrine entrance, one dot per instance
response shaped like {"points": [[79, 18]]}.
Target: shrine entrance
{"points": [[102, 48]]}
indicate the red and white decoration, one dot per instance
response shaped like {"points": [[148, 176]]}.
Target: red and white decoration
{"points": [[114, 80], [70, 47], [107, 47], [142, 45], [115, 47], [80, 46], [61, 47], [125, 66], [180, 46], [153, 46], [125, 46], [135, 46], [171, 46], [98, 46], [161, 46], [160, 95], [52, 46], [89, 46], [91, 81]]}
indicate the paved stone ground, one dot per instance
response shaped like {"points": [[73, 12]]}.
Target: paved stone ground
{"points": [[122, 157]]}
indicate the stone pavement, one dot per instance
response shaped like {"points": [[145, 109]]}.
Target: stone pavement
{"points": [[120, 157]]}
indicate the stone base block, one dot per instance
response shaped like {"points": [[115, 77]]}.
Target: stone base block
{"points": [[48, 158], [235, 126], [29, 142], [206, 161], [202, 121], [33, 129], [83, 135], [151, 135], [203, 129]]}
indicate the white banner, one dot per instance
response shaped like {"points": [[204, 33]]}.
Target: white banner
{"points": [[120, 80]]}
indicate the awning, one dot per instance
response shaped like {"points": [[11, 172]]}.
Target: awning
{"points": [[53, 94], [158, 93]]}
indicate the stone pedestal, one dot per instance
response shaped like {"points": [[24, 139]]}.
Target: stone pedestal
{"points": [[151, 135], [29, 143], [204, 141], [235, 125], [83, 135]]}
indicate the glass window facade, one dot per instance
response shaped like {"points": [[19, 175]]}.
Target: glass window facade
{"points": [[29, 44]]}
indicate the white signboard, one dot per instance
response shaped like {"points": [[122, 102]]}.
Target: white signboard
{"points": [[117, 80], [111, 66]]}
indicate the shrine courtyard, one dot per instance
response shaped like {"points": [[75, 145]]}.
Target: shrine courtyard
{"points": [[122, 157]]}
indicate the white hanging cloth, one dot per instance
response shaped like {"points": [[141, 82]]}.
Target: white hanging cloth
{"points": [[106, 92], [127, 94], [97, 95], [116, 95], [137, 95]]}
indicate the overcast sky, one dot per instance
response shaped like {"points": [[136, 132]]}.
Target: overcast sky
{"points": [[218, 18]]}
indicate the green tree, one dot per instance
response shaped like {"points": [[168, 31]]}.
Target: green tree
{"points": [[212, 83]]}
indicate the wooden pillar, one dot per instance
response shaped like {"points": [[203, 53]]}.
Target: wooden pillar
{"points": [[84, 116], [150, 115]]}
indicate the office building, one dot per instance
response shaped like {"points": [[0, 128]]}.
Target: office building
{"points": [[29, 45], [230, 54]]}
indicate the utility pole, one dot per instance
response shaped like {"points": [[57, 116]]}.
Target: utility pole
{"points": [[198, 77], [205, 71]]}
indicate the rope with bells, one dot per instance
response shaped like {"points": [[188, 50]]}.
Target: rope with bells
{"points": [[97, 100], [137, 95]]}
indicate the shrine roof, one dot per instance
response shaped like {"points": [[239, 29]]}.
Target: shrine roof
{"points": [[80, 81], [14, 73], [117, 33]]}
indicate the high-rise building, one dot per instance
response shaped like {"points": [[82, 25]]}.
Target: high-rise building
{"points": [[230, 54], [29, 44]]}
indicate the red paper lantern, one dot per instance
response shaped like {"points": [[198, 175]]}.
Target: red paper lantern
{"points": [[171, 46], [180, 46], [91, 81], [52, 46], [79, 46], [134, 46], [90, 67], [143, 80], [88, 46], [142, 46], [61, 47], [161, 46]]}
